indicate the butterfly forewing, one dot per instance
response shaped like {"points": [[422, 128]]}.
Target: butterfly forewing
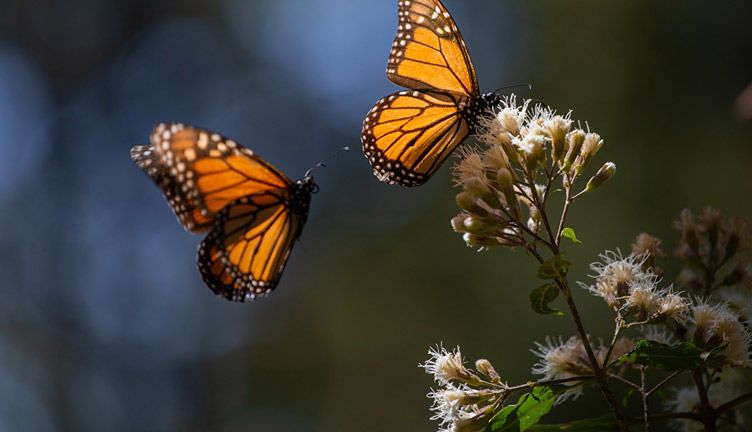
{"points": [[212, 169], [428, 52], [408, 135], [189, 215]]}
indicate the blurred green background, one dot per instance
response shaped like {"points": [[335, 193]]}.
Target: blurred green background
{"points": [[104, 321]]}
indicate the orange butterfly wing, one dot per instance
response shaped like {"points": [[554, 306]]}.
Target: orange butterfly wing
{"points": [[408, 135], [184, 208], [253, 211], [200, 172], [245, 253], [429, 52]]}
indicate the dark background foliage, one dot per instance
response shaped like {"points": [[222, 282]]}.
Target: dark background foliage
{"points": [[104, 321]]}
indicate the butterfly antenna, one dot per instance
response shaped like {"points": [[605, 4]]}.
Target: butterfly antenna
{"points": [[528, 85], [323, 162]]}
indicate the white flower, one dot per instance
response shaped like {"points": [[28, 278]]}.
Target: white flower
{"points": [[673, 305], [446, 404], [687, 399], [718, 321], [615, 275], [444, 365], [644, 299], [499, 128], [561, 360], [657, 334]]}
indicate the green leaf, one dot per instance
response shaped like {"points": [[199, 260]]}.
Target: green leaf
{"points": [[715, 358], [597, 424], [528, 411], [542, 296], [679, 356], [627, 397], [555, 267], [570, 234]]}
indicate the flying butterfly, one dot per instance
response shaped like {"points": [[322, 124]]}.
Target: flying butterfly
{"points": [[408, 135], [253, 213]]}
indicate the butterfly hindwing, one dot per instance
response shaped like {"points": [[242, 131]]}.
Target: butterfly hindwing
{"points": [[429, 52], [245, 253], [408, 135]]}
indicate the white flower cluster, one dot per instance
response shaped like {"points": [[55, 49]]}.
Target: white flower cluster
{"points": [[559, 359], [466, 399], [715, 326], [625, 285], [506, 182]]}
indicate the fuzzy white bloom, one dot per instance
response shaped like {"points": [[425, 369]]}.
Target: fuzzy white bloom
{"points": [[643, 298], [719, 322], [464, 402], [561, 360], [673, 305], [447, 406], [687, 399], [532, 146], [444, 365], [658, 334], [615, 275], [499, 128]]}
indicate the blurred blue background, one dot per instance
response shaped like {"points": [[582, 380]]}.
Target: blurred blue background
{"points": [[104, 321]]}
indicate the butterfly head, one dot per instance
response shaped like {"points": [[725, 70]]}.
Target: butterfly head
{"points": [[307, 185]]}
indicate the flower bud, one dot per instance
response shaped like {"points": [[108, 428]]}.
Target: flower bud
{"points": [[480, 189], [466, 201], [558, 127], [590, 147], [510, 119], [646, 244], [473, 240], [534, 150], [458, 223], [505, 182], [486, 368], [479, 226], [574, 144], [533, 224], [604, 173], [495, 158]]}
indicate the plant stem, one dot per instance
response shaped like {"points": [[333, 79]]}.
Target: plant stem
{"points": [[539, 383], [733, 403], [663, 382], [644, 393], [624, 380], [617, 331], [564, 212], [708, 415], [599, 374]]}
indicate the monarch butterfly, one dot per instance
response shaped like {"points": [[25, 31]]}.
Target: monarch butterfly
{"points": [[253, 213], [408, 135]]}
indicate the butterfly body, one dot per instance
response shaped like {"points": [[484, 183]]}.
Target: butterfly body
{"points": [[253, 213], [408, 135]]}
